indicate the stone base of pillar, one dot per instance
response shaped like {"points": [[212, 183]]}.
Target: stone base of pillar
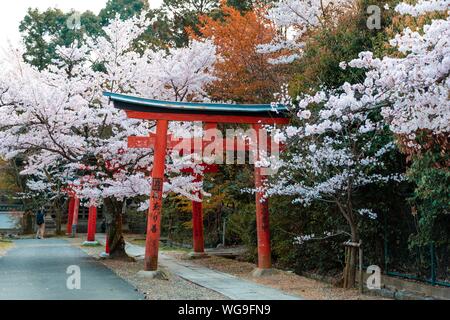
{"points": [[157, 274], [104, 255], [74, 231], [198, 255], [91, 243], [258, 272]]}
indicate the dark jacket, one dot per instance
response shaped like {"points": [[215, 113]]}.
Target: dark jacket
{"points": [[40, 217]]}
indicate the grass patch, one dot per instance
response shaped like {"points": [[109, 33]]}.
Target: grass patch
{"points": [[173, 248], [5, 245], [138, 242], [91, 244], [162, 247]]}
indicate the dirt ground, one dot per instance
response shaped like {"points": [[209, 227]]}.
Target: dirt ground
{"points": [[175, 288], [178, 288], [282, 280]]}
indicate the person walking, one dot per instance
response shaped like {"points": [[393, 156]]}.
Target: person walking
{"points": [[40, 221]]}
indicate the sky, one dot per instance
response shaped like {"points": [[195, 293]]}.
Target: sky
{"points": [[12, 12]]}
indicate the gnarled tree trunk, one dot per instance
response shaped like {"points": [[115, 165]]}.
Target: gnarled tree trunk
{"points": [[27, 222], [58, 209], [114, 219]]}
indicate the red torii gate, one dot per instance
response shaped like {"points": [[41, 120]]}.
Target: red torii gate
{"points": [[211, 114], [197, 207], [72, 217]]}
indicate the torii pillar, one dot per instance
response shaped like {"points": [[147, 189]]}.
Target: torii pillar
{"points": [[262, 216], [76, 209], [198, 242], [70, 214], [92, 227], [154, 211]]}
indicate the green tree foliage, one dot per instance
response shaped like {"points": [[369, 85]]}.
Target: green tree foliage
{"points": [[431, 198], [125, 8], [331, 44], [42, 32], [183, 14]]}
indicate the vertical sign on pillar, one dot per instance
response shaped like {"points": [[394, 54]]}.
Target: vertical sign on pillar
{"points": [[155, 209], [262, 210], [76, 208], [70, 215]]}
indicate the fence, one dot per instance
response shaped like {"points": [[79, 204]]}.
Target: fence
{"points": [[427, 263]]}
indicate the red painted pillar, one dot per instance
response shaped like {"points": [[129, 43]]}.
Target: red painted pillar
{"points": [[197, 223], [262, 217], [155, 210], [76, 208], [92, 223], [70, 215], [107, 244]]}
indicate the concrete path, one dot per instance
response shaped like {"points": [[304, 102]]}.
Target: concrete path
{"points": [[226, 284], [36, 269]]}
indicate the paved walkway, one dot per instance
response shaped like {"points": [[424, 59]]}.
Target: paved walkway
{"points": [[233, 287], [36, 269]]}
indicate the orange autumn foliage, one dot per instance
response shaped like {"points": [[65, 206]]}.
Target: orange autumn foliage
{"points": [[245, 75]]}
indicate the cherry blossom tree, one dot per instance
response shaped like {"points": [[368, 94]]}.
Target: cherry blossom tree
{"points": [[59, 119], [342, 141], [339, 148]]}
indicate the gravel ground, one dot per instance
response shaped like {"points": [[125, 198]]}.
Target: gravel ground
{"points": [[285, 281], [178, 288], [175, 288]]}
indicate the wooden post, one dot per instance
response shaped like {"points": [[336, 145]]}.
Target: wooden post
{"points": [[76, 208], [92, 223], [70, 215], [155, 210], [360, 255], [262, 214]]}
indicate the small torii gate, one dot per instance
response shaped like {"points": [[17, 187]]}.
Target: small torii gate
{"points": [[210, 114], [72, 217]]}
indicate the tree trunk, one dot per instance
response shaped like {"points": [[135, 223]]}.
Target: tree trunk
{"points": [[114, 218], [351, 253], [27, 223], [350, 267], [58, 215]]}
